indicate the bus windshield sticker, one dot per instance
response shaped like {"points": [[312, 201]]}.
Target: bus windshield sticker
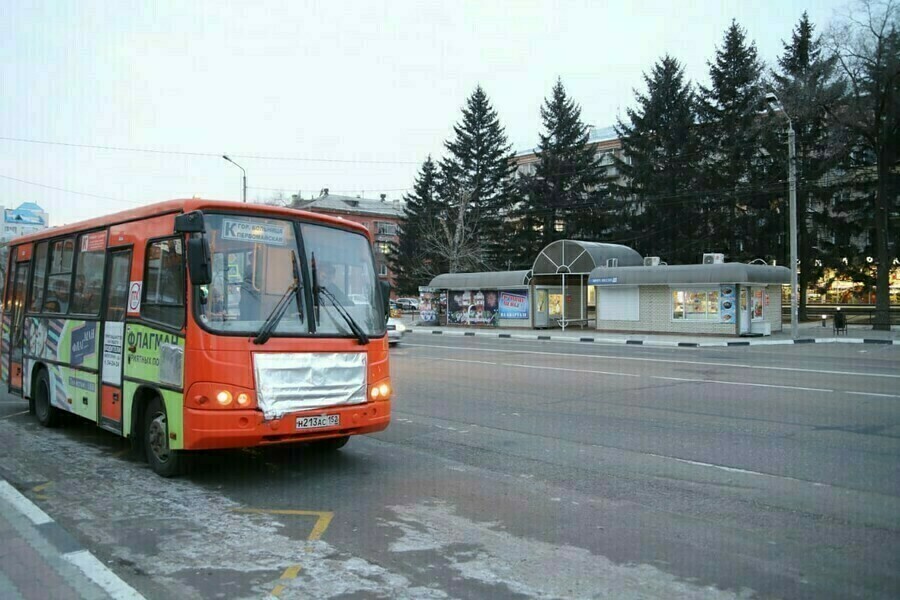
{"points": [[252, 231], [134, 297]]}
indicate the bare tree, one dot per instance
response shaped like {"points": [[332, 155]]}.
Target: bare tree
{"points": [[279, 198], [867, 45], [453, 236]]}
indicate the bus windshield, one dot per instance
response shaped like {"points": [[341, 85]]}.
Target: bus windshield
{"points": [[252, 270], [345, 269]]}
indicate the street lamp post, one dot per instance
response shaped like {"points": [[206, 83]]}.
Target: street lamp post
{"points": [[775, 104], [225, 156]]}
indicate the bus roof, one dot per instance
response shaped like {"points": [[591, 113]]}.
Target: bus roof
{"points": [[185, 205]]}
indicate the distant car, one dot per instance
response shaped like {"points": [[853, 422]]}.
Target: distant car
{"points": [[395, 329], [408, 304]]}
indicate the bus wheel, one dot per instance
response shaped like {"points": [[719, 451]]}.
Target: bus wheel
{"points": [[331, 445], [163, 460], [47, 414]]}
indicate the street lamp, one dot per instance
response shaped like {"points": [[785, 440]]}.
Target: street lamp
{"points": [[775, 104], [225, 156]]}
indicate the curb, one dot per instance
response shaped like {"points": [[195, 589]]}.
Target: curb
{"points": [[69, 548], [655, 343]]}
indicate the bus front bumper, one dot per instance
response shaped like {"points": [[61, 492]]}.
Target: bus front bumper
{"points": [[236, 428]]}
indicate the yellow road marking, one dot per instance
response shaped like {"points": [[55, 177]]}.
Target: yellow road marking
{"points": [[14, 414], [40, 488], [291, 572], [323, 520]]}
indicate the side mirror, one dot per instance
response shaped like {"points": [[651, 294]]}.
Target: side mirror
{"points": [[386, 298], [198, 257]]}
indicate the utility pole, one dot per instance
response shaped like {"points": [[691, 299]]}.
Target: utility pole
{"points": [[775, 104], [792, 177], [244, 195]]}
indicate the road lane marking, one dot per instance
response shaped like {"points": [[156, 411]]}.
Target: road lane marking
{"points": [[565, 369], [765, 385], [14, 414], [38, 489], [683, 379], [661, 360], [323, 520], [875, 394], [289, 574], [736, 470]]}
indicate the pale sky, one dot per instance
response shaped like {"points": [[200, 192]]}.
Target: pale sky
{"points": [[378, 85]]}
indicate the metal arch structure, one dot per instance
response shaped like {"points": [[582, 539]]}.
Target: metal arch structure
{"points": [[579, 258]]}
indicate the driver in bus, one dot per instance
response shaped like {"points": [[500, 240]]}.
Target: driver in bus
{"points": [[327, 280]]}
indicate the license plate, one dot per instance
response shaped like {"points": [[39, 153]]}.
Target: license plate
{"points": [[318, 421]]}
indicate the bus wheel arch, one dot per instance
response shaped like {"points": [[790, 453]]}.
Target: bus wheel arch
{"points": [[150, 434]]}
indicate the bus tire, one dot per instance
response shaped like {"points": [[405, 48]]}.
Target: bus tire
{"points": [[155, 433], [47, 414], [331, 445]]}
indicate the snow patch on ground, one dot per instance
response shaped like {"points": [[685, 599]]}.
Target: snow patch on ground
{"points": [[534, 568]]}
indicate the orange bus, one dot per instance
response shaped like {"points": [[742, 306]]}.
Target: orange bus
{"points": [[196, 324]]}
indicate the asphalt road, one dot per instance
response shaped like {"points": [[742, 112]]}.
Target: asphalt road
{"points": [[520, 469]]}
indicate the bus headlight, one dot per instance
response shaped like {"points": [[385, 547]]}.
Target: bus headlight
{"points": [[243, 399], [223, 398], [381, 390]]}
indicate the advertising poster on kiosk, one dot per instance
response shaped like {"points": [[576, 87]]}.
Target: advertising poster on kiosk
{"points": [[472, 307], [513, 304], [428, 305], [727, 302]]}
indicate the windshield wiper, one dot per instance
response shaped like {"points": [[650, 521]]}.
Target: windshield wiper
{"points": [[321, 289], [265, 332], [341, 310]]}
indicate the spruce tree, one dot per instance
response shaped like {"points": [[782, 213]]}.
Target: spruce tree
{"points": [[561, 198], [412, 264], [808, 88], [740, 214], [661, 143], [478, 163]]}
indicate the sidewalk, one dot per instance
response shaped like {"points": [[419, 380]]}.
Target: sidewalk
{"points": [[809, 333], [39, 559]]}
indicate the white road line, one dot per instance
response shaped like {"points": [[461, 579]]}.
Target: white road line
{"points": [[661, 360], [875, 394], [100, 574], [569, 370], [23, 504], [736, 470], [765, 385], [14, 414], [477, 362]]}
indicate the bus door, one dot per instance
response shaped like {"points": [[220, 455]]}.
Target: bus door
{"points": [[114, 307], [16, 308]]}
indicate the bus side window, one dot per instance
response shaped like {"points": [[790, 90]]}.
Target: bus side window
{"points": [[164, 283], [89, 273], [117, 290], [59, 283], [40, 272]]}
